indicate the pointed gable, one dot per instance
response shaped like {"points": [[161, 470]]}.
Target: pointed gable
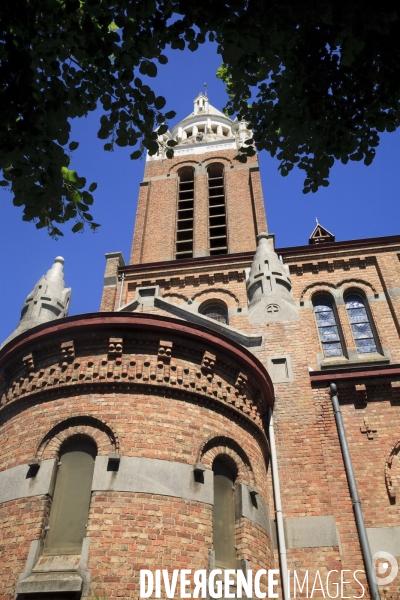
{"points": [[320, 235]]}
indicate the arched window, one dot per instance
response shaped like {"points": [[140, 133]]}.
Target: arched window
{"points": [[360, 324], [218, 312], [224, 515], [71, 500], [184, 221], [328, 329], [218, 239]]}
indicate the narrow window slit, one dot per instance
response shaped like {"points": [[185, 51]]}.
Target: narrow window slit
{"points": [[185, 214], [218, 239]]}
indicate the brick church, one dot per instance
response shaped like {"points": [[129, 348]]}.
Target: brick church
{"points": [[233, 405]]}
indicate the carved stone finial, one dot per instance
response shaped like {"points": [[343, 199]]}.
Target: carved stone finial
{"points": [[49, 300], [208, 361], [241, 381], [67, 353], [269, 287], [164, 352], [28, 362], [115, 347], [208, 364]]}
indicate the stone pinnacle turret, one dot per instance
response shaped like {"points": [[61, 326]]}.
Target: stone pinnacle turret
{"points": [[49, 300], [269, 287]]}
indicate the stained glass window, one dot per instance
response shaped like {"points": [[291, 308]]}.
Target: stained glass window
{"points": [[327, 327], [360, 324]]}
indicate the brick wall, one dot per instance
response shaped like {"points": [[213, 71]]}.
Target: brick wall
{"points": [[128, 531], [313, 480], [21, 521]]}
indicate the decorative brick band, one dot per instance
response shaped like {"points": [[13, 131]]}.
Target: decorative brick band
{"points": [[114, 350], [153, 476], [21, 482], [135, 474]]}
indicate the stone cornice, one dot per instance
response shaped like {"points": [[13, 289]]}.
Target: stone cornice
{"points": [[337, 249], [293, 254], [190, 265], [362, 372]]}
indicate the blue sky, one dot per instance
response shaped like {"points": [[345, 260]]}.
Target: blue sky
{"points": [[360, 201]]}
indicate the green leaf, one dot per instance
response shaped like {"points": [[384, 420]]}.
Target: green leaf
{"points": [[160, 102], [69, 175], [62, 137], [80, 182], [88, 198], [193, 45], [4, 183], [232, 53], [151, 69], [162, 129], [170, 114], [103, 134], [162, 59], [73, 145], [77, 227], [92, 187], [135, 155]]}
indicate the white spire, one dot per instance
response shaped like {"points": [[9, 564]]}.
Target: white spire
{"points": [[49, 300]]}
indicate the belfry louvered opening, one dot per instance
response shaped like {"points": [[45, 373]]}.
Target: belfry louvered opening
{"points": [[217, 210], [184, 223]]}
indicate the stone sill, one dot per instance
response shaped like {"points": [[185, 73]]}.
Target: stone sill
{"points": [[377, 359]]}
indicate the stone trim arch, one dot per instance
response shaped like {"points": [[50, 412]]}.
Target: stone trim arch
{"points": [[183, 163], [225, 161], [320, 287], [337, 286], [176, 295], [356, 283], [101, 434], [389, 473], [223, 446], [211, 290]]}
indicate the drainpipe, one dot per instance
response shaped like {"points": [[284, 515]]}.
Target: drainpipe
{"points": [[120, 291], [278, 509], [362, 532]]}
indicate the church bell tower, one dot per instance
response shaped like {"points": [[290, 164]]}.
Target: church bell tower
{"points": [[203, 202]]}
